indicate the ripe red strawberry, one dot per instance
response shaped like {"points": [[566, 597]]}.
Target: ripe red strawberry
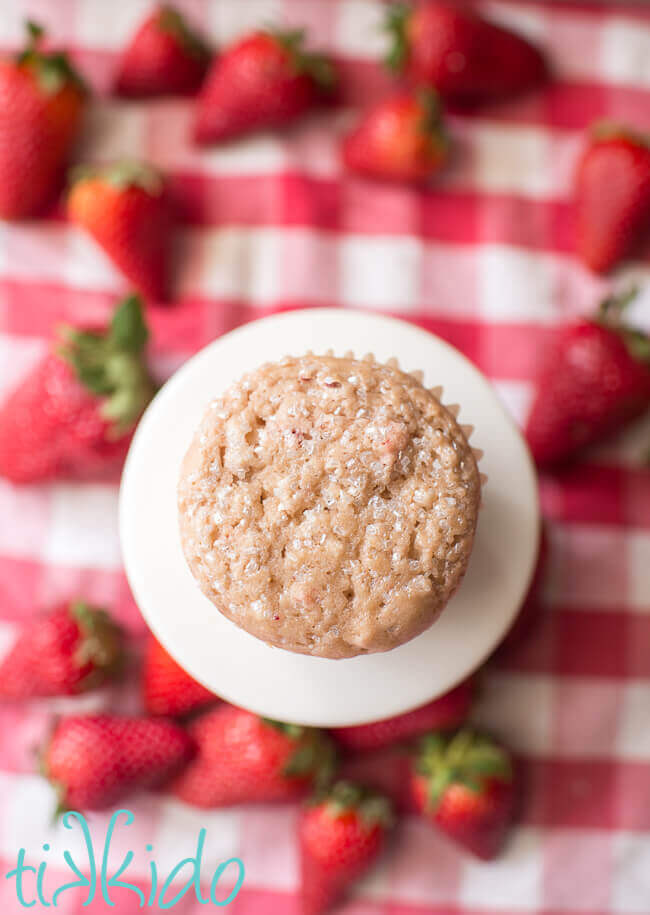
{"points": [[164, 57], [266, 79], [464, 57], [41, 105], [595, 380], [242, 758], [464, 785], [612, 196], [399, 139], [340, 837], [446, 712], [74, 413], [126, 209], [95, 761], [167, 688], [71, 649]]}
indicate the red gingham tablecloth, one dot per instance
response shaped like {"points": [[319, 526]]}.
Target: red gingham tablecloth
{"points": [[484, 259]]}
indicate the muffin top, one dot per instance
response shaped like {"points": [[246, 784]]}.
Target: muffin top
{"points": [[328, 505]]}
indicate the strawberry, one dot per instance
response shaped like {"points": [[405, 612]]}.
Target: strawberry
{"points": [[164, 57], [41, 105], [612, 196], [126, 208], [242, 758], [266, 79], [167, 688], [464, 57], [340, 837], [73, 415], [464, 785], [399, 139], [595, 379], [71, 649], [448, 711], [95, 761]]}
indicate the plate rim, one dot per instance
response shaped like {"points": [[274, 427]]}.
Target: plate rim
{"points": [[178, 379]]}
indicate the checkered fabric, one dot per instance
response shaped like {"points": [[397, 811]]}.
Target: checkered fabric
{"points": [[483, 258]]}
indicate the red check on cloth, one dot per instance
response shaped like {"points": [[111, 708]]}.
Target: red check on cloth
{"points": [[484, 259]]}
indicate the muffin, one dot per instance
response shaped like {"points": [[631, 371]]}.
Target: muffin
{"points": [[328, 505]]}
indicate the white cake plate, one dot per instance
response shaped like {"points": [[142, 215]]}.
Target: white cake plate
{"points": [[297, 688]]}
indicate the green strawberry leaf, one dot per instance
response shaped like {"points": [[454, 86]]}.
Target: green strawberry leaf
{"points": [[610, 130], [295, 731], [92, 374], [101, 644], [396, 20], [123, 174], [464, 758], [375, 808], [638, 344], [35, 32], [432, 750], [110, 364], [317, 66], [53, 70], [344, 796], [170, 20], [314, 754], [132, 173], [432, 123], [610, 314], [128, 328], [302, 762], [613, 306]]}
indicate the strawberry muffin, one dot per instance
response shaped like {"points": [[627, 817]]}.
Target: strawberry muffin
{"points": [[328, 505]]}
